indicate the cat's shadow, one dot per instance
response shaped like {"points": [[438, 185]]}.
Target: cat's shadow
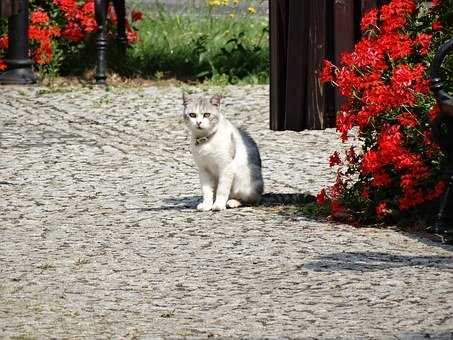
{"points": [[191, 202], [180, 203]]}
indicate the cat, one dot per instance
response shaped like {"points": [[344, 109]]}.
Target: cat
{"points": [[227, 157]]}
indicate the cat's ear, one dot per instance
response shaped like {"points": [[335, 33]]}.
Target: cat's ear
{"points": [[186, 99], [216, 100]]}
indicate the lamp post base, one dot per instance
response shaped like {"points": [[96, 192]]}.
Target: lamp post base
{"points": [[18, 76]]}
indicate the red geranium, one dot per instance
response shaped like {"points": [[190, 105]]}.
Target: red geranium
{"points": [[39, 17], [136, 15], [385, 80]]}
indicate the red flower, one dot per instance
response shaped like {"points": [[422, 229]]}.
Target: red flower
{"points": [[365, 193], [433, 113], [394, 15], [322, 197], [402, 77], [73, 32], [112, 15], [382, 210], [411, 198], [439, 189], [89, 24], [396, 45], [370, 162], [337, 209], [4, 42], [136, 15], [132, 37], [344, 123], [351, 156], [347, 81], [435, 3], [366, 54], [408, 119], [381, 179], [43, 54], [335, 159], [69, 7], [88, 8], [39, 17], [326, 74], [423, 41], [2, 65], [436, 26], [369, 19]]}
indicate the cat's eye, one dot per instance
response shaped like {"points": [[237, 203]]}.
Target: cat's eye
{"points": [[192, 115], [207, 115]]}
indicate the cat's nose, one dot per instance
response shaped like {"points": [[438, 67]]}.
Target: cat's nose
{"points": [[198, 124]]}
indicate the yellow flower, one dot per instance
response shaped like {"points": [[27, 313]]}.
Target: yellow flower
{"points": [[224, 2], [251, 10], [214, 3], [236, 2], [232, 15]]}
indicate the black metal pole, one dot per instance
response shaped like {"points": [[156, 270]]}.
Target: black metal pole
{"points": [[442, 129], [101, 7], [19, 65], [101, 42]]}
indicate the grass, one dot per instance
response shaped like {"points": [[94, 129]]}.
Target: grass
{"points": [[193, 44]]}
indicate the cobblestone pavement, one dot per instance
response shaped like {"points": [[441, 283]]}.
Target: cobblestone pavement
{"points": [[100, 239]]}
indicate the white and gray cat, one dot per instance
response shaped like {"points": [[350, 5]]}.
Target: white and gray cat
{"points": [[227, 157]]}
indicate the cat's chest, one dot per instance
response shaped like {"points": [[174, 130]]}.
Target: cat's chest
{"points": [[207, 152], [211, 155]]}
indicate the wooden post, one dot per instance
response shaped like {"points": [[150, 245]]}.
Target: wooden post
{"points": [[344, 35], [302, 34], [297, 49], [315, 105], [9, 8], [277, 18], [296, 65]]}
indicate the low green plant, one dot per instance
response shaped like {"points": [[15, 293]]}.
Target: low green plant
{"points": [[194, 46]]}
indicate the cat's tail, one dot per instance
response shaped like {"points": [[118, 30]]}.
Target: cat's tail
{"points": [[281, 199]]}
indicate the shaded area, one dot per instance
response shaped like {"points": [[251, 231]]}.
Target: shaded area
{"points": [[267, 200], [373, 261], [447, 335]]}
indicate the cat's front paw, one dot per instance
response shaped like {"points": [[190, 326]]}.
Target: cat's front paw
{"points": [[219, 206], [204, 206]]}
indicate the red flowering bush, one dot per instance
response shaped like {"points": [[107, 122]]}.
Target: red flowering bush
{"points": [[389, 106], [59, 26]]}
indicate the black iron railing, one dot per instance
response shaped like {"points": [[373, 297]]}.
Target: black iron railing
{"points": [[442, 129]]}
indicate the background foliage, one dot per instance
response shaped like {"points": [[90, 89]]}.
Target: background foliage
{"points": [[225, 41]]}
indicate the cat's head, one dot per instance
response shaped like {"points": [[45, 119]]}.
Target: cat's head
{"points": [[201, 115]]}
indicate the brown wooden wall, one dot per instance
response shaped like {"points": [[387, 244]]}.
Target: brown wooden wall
{"points": [[302, 34], [8, 7]]}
